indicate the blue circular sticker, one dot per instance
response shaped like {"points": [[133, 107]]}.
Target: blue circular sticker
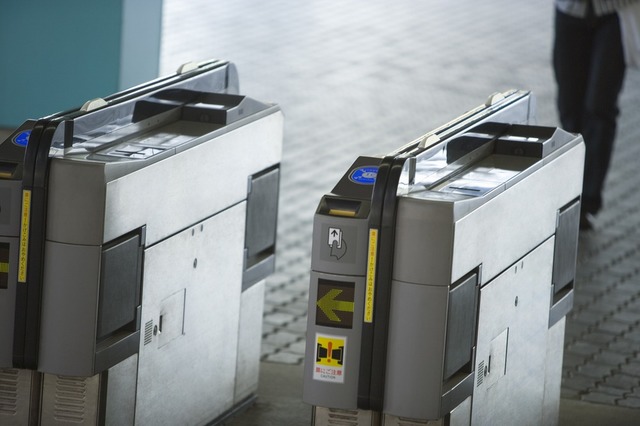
{"points": [[364, 175], [22, 138]]}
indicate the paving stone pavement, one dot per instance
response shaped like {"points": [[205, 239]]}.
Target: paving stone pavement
{"points": [[360, 77]]}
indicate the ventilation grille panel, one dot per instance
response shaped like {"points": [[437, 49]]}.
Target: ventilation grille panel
{"points": [[70, 399], [413, 422], [148, 332], [8, 392], [480, 374], [343, 417]]}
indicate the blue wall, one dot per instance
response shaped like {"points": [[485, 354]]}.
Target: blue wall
{"points": [[55, 55]]}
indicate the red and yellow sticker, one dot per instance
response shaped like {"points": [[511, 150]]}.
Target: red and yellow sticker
{"points": [[330, 358]]}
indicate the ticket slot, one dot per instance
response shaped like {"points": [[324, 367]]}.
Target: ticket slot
{"points": [[343, 207]]}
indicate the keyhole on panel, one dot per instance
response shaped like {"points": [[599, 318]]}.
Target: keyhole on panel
{"points": [[157, 329], [487, 367]]}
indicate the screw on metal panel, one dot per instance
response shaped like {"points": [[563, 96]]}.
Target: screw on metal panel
{"points": [[516, 302], [195, 262], [155, 330]]}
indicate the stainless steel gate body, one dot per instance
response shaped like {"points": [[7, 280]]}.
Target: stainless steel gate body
{"points": [[156, 235], [448, 305]]}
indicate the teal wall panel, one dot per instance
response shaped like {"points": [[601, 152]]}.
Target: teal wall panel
{"points": [[55, 55]]}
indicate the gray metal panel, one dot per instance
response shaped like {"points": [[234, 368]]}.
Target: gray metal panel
{"points": [[120, 285], [121, 393], [553, 374], [415, 354], [205, 262], [461, 415], [327, 393], [217, 172], [461, 325], [15, 398], [8, 305], [258, 271], [262, 212], [566, 251], [563, 302], [337, 243], [424, 242], [70, 400], [262, 218], [425, 252], [511, 345], [86, 209], [510, 215], [249, 341], [10, 207], [69, 309], [344, 252], [76, 202]]}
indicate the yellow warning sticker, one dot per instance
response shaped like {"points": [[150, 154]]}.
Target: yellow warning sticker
{"points": [[24, 236], [371, 275], [330, 358]]}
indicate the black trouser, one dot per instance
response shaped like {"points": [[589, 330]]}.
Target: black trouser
{"points": [[589, 67]]}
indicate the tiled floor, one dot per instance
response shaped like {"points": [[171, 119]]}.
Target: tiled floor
{"points": [[362, 77]]}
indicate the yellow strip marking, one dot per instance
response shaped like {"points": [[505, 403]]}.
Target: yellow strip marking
{"points": [[24, 236], [4, 267], [371, 275]]}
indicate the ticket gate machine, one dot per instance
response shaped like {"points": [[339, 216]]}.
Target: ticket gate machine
{"points": [[136, 234], [442, 274]]}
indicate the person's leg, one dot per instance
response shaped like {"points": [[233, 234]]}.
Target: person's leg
{"points": [[571, 61], [601, 108]]}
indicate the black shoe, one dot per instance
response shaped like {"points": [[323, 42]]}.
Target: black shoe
{"points": [[586, 221]]}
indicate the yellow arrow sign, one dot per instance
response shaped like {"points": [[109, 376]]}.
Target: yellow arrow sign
{"points": [[328, 304]]}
